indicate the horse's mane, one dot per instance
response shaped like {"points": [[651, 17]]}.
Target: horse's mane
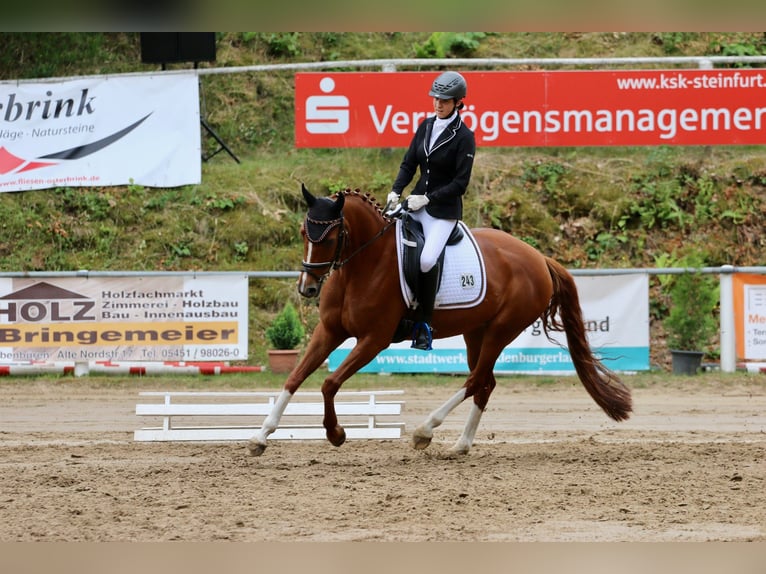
{"points": [[366, 198]]}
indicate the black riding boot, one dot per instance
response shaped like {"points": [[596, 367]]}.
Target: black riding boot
{"points": [[427, 283]]}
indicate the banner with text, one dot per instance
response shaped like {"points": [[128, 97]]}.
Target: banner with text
{"points": [[548, 108], [100, 131], [616, 314], [750, 316], [124, 318]]}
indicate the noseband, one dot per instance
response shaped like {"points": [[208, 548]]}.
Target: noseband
{"points": [[308, 266]]}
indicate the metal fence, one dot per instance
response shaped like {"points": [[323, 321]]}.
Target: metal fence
{"points": [[394, 64]]}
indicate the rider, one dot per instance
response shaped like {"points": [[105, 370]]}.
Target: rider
{"points": [[443, 147]]}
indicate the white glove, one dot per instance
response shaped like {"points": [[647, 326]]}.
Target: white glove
{"points": [[392, 202], [415, 202]]}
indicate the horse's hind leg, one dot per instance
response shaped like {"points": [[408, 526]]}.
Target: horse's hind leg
{"points": [[476, 385], [480, 399], [423, 434], [481, 382]]}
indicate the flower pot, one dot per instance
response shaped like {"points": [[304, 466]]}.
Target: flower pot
{"points": [[282, 361], [686, 362]]}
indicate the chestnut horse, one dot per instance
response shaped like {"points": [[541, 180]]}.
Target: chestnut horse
{"points": [[350, 255]]}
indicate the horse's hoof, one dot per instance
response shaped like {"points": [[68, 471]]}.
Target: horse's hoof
{"points": [[460, 449], [255, 448], [420, 441], [337, 437]]}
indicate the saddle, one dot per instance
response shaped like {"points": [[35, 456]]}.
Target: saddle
{"points": [[413, 240], [462, 278]]}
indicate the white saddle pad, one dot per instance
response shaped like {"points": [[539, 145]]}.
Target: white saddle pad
{"points": [[464, 280]]}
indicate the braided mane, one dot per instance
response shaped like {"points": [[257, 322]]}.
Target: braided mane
{"points": [[367, 198]]}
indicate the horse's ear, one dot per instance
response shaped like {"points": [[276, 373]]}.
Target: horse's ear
{"points": [[310, 199], [339, 202]]}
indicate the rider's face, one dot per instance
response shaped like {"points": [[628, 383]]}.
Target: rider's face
{"points": [[444, 108]]}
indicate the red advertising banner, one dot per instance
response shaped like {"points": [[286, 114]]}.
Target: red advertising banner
{"points": [[551, 108]]}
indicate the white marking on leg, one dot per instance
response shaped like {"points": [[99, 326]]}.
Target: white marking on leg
{"points": [[272, 421], [464, 443], [437, 417]]}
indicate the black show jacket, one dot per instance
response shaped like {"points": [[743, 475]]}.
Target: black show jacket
{"points": [[445, 170]]}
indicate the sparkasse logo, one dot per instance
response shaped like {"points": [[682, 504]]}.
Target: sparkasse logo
{"points": [[327, 114]]}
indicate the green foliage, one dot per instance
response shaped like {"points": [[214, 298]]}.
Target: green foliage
{"points": [[283, 44], [748, 47], [545, 174], [656, 205], [240, 250], [93, 204], [672, 42], [604, 242], [694, 296], [443, 44], [683, 197], [286, 331], [41, 55]]}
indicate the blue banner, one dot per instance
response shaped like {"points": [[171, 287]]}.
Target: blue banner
{"points": [[616, 319]]}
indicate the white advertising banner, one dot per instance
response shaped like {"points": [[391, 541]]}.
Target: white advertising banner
{"points": [[616, 314], [100, 131], [124, 319]]}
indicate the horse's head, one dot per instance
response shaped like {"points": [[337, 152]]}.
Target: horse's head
{"points": [[323, 236]]}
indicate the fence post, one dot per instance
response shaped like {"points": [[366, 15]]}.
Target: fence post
{"points": [[727, 334]]}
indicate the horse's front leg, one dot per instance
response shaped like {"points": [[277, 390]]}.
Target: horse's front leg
{"points": [[364, 351], [257, 444], [320, 346]]}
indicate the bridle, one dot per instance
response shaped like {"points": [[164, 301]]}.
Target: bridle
{"points": [[335, 262]]}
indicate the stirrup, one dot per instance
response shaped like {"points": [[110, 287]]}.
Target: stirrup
{"points": [[422, 336]]}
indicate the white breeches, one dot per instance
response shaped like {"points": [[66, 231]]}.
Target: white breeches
{"points": [[437, 232]]}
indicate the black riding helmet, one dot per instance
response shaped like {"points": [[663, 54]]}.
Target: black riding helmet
{"points": [[449, 86]]}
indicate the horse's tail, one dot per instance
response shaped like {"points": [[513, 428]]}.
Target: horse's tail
{"points": [[564, 314]]}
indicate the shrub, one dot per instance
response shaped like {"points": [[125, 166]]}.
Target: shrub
{"points": [[286, 331], [693, 299]]}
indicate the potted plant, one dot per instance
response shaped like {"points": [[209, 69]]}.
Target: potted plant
{"points": [[284, 335], [691, 322]]}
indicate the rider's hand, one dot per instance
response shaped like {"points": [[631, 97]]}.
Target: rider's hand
{"points": [[391, 202], [415, 202]]}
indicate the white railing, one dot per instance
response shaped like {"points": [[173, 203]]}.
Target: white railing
{"points": [[393, 64]]}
